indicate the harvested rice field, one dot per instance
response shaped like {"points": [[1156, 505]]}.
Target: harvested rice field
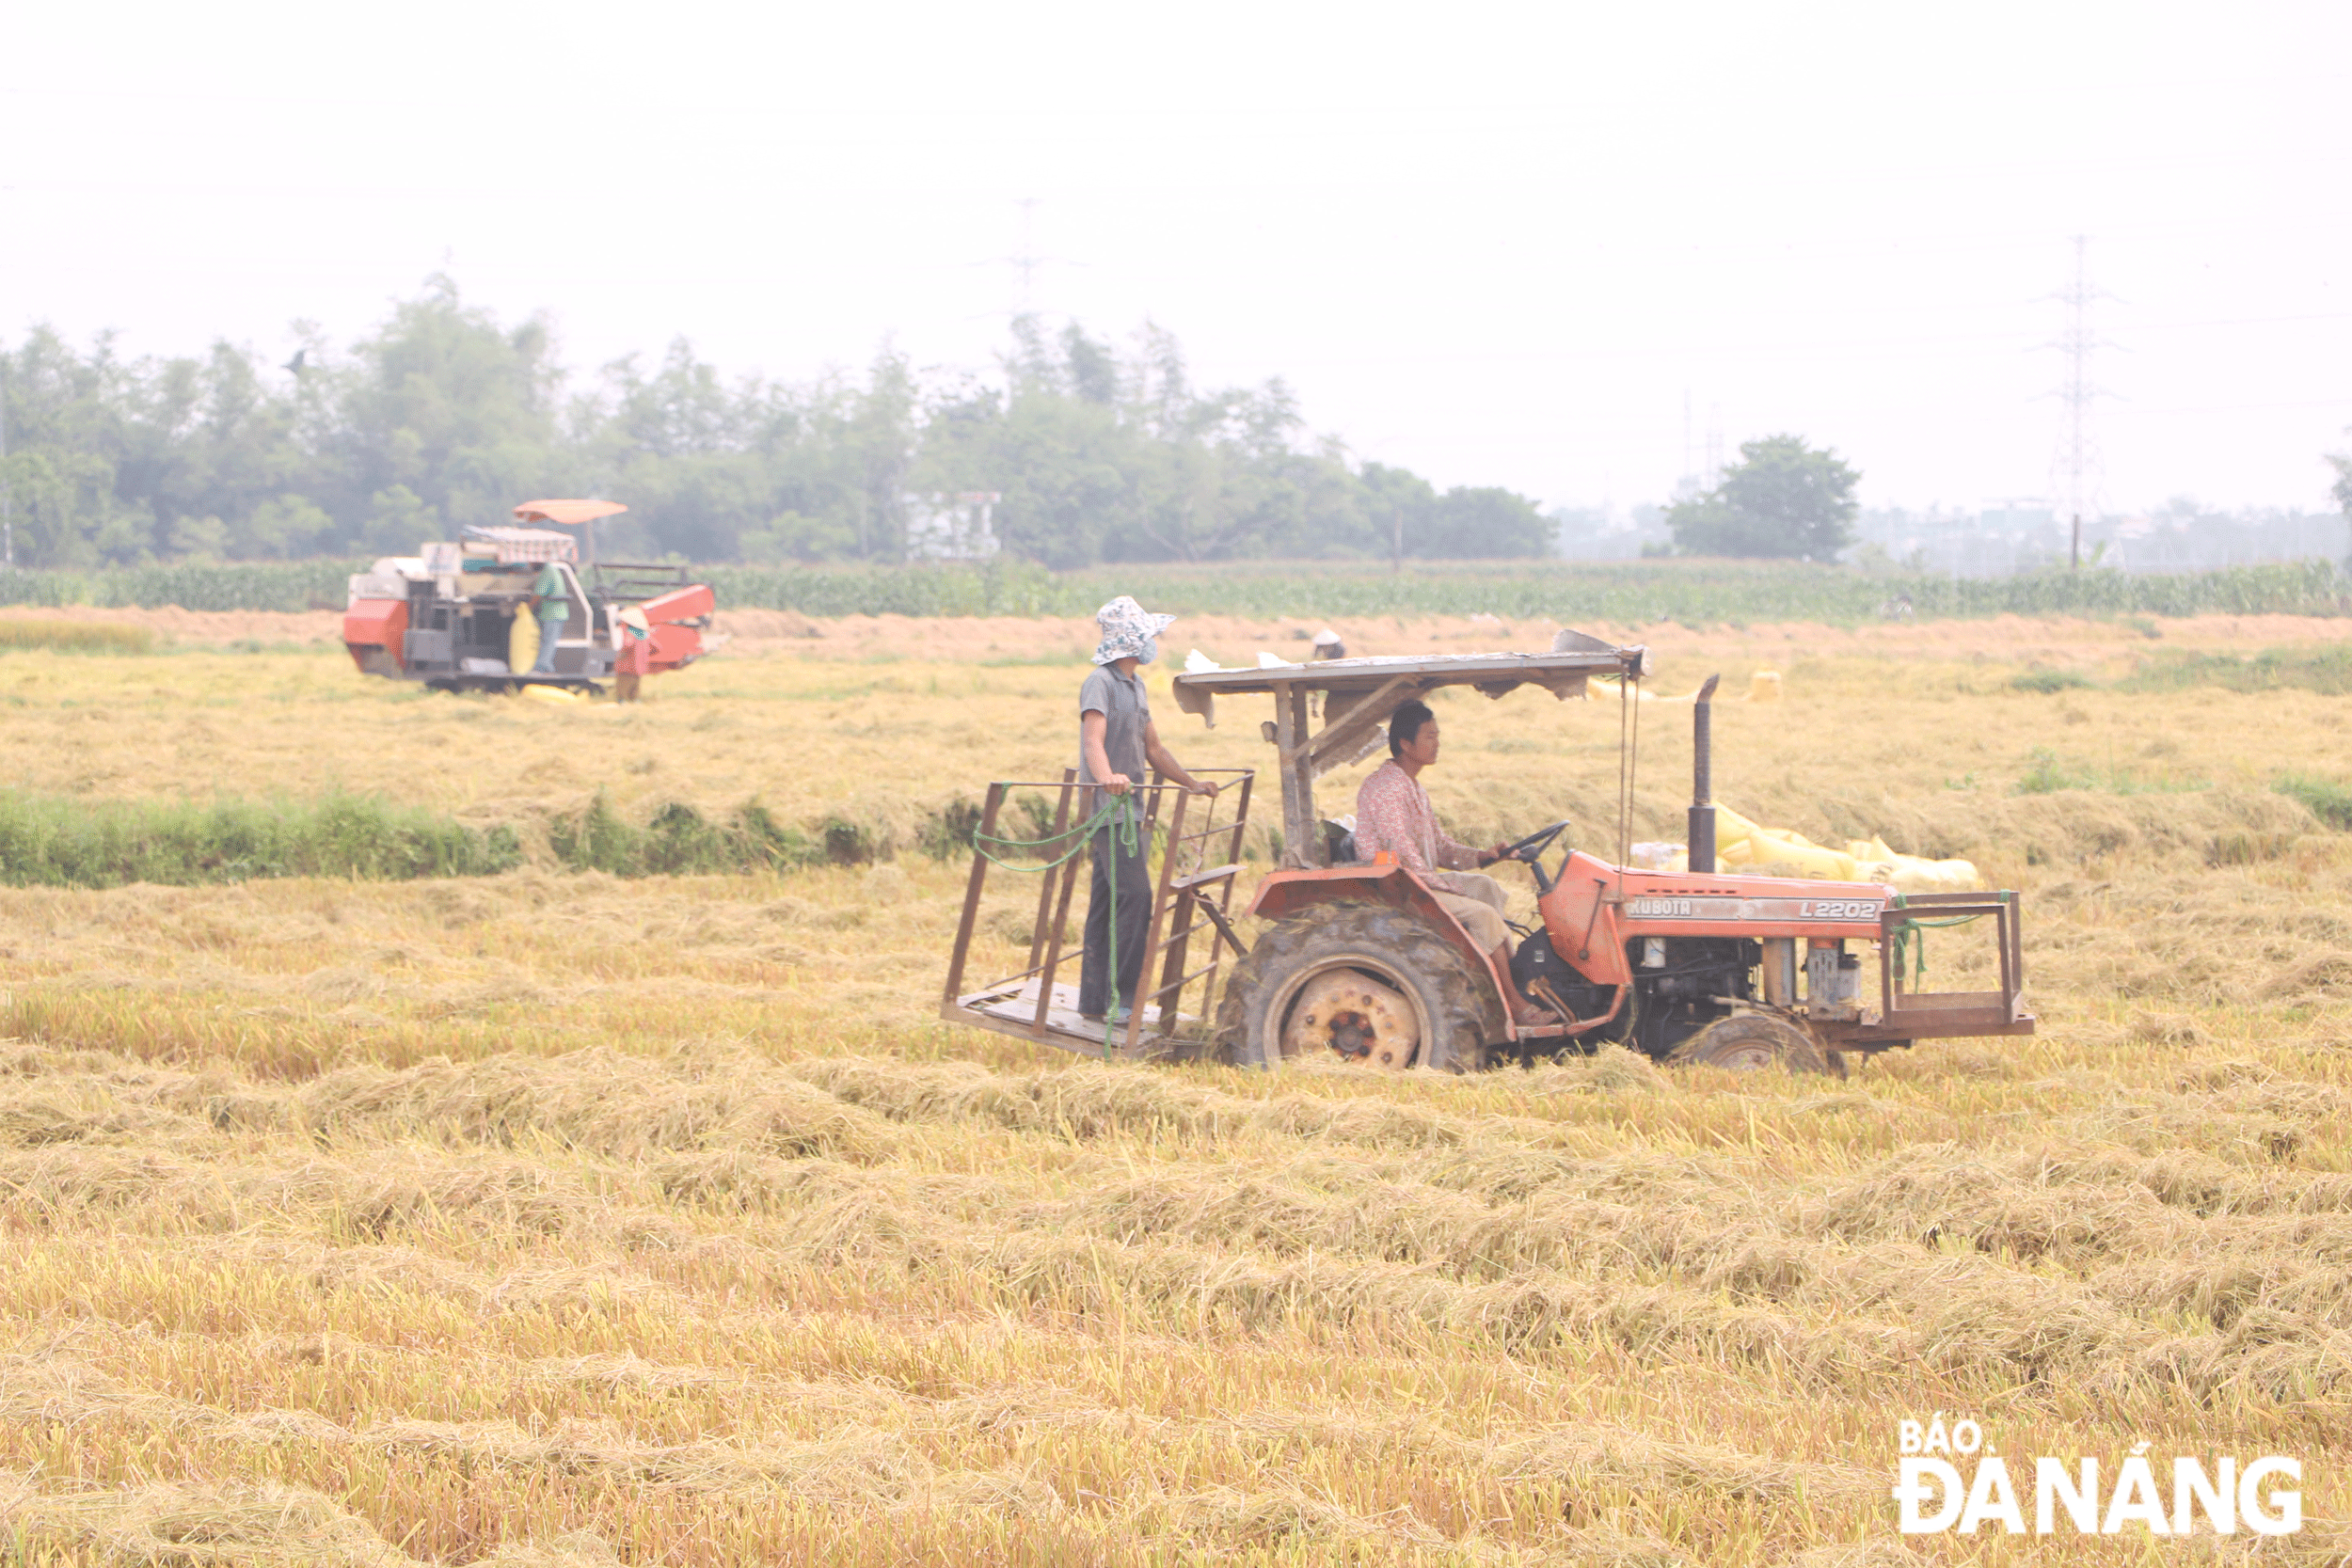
{"points": [[557, 1218]]}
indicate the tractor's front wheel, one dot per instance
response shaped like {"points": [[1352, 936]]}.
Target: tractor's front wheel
{"points": [[1358, 983], [1749, 1042]]}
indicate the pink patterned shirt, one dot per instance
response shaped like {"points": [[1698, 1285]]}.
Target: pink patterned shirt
{"points": [[1392, 813]]}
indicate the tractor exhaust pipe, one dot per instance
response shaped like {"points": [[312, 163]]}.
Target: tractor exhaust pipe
{"points": [[1702, 829]]}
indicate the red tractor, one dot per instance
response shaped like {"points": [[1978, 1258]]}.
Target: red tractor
{"points": [[1361, 964]]}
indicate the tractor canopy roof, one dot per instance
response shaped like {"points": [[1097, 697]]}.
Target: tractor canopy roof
{"points": [[1361, 693], [569, 514]]}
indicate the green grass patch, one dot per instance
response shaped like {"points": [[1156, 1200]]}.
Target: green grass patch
{"points": [[2046, 774], [74, 637], [2329, 801], [62, 842], [2326, 670], [2048, 683], [681, 841]]}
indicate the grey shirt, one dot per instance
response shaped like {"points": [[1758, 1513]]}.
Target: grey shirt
{"points": [[1126, 712]]}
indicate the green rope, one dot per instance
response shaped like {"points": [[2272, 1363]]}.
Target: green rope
{"points": [[1117, 814], [1911, 939]]}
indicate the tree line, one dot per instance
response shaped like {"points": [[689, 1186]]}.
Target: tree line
{"points": [[445, 417]]}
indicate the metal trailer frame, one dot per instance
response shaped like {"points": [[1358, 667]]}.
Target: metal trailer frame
{"points": [[1193, 892], [1908, 1015]]}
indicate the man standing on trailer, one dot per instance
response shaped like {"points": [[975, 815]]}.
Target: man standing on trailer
{"points": [[1394, 815], [1117, 740]]}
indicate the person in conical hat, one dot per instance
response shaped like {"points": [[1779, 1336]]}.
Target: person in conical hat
{"points": [[636, 657], [1116, 744]]}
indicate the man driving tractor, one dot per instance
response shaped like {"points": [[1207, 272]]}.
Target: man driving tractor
{"points": [[1393, 816]]}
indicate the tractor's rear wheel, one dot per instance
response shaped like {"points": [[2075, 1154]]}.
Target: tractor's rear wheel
{"points": [[1750, 1042], [1358, 983]]}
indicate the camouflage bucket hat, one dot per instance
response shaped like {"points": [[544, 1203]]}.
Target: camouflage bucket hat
{"points": [[1128, 630]]}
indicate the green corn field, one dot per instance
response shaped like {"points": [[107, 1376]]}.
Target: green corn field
{"points": [[1615, 591]]}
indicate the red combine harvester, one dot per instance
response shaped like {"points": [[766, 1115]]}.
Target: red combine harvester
{"points": [[1359, 963], [446, 615]]}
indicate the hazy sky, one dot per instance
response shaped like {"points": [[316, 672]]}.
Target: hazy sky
{"points": [[1497, 245]]}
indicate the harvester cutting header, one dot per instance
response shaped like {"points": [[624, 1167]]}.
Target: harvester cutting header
{"points": [[450, 614], [1376, 962]]}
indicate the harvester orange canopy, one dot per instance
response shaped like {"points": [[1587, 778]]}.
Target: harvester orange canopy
{"points": [[569, 514]]}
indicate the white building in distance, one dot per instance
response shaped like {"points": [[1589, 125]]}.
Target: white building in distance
{"points": [[952, 528]]}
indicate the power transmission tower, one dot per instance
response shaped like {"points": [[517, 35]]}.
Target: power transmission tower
{"points": [[1688, 485], [1025, 262], [2078, 456], [1028, 260]]}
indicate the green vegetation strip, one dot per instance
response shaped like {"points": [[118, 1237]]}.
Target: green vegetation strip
{"points": [[1702, 592], [1618, 593], [56, 841], [243, 585], [60, 842]]}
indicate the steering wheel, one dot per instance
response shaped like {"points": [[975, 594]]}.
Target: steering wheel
{"points": [[1533, 844]]}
